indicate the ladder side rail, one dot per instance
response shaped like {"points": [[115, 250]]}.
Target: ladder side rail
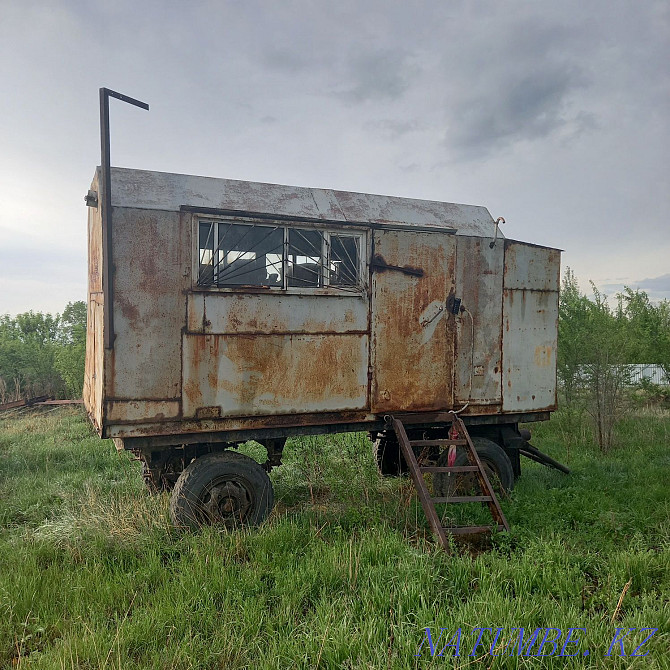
{"points": [[428, 507], [484, 483]]}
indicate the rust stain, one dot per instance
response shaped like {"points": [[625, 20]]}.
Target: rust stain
{"points": [[129, 310], [542, 356]]}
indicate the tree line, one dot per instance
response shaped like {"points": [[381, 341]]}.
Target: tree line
{"points": [[43, 354], [597, 343]]}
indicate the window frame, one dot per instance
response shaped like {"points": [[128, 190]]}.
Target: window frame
{"points": [[327, 228]]}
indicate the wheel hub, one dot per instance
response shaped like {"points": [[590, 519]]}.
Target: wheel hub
{"points": [[229, 502]]}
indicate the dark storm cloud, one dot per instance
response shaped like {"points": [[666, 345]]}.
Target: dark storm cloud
{"points": [[528, 106], [520, 87], [379, 75]]}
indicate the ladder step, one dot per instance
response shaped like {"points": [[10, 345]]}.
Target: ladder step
{"points": [[488, 495], [467, 530], [462, 499], [452, 468], [438, 443]]}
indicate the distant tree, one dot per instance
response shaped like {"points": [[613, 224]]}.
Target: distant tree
{"points": [[574, 334], [594, 347], [28, 346], [41, 354], [606, 373], [71, 354], [649, 328]]}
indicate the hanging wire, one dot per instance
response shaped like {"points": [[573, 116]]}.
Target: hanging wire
{"points": [[472, 358]]}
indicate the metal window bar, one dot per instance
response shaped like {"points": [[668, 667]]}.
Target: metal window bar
{"points": [[216, 270], [354, 262], [324, 254], [250, 250], [236, 274], [229, 227], [210, 241], [246, 234], [311, 251]]}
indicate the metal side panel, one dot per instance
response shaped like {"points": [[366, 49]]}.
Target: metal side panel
{"points": [[94, 361], [250, 375], [530, 329], [479, 281], [412, 334], [152, 260], [234, 314], [530, 267]]}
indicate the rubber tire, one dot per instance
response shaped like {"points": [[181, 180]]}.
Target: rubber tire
{"points": [[493, 458], [193, 485]]}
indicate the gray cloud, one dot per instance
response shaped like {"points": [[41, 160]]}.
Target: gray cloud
{"points": [[657, 288], [522, 89], [531, 105], [391, 128], [661, 283], [382, 74], [286, 59]]}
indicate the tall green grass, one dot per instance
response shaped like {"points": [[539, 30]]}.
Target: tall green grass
{"points": [[345, 573]]}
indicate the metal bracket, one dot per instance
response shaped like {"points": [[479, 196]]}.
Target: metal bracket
{"points": [[378, 263], [426, 320], [106, 199]]}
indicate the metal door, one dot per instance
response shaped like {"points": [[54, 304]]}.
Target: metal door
{"points": [[412, 333]]}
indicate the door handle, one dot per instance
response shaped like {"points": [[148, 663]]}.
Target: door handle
{"points": [[378, 263]]}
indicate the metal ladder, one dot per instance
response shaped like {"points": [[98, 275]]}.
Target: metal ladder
{"points": [[461, 438]]}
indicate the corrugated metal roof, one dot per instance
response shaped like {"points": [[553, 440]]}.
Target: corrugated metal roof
{"points": [[145, 189]]}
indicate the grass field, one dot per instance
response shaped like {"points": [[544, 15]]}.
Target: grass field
{"points": [[344, 574]]}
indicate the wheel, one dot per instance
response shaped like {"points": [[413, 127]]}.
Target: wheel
{"points": [[225, 488], [496, 464], [390, 462]]}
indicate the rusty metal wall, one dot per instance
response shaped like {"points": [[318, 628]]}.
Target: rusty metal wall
{"points": [[530, 327], [412, 335], [249, 313], [152, 271], [479, 280], [250, 375]]}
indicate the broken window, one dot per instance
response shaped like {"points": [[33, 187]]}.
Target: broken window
{"points": [[235, 254], [286, 257], [305, 258], [345, 260]]}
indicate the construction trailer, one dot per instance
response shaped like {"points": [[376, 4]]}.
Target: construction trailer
{"points": [[223, 311]]}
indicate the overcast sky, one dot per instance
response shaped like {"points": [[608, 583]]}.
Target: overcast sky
{"points": [[551, 114]]}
